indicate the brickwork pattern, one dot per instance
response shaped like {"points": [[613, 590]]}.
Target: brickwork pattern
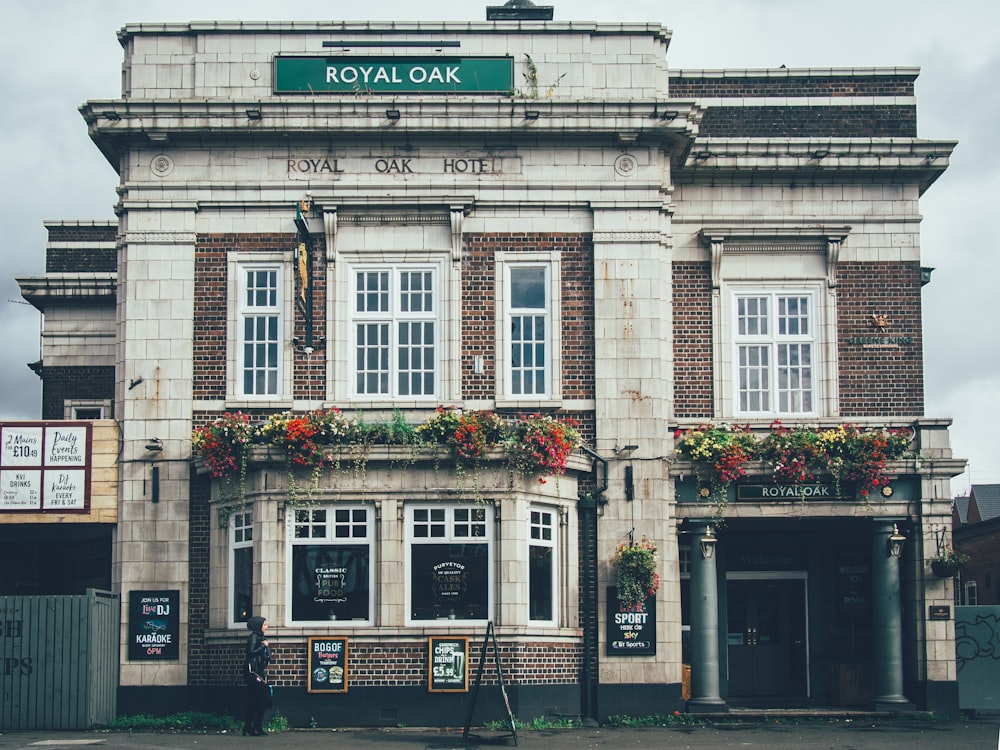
{"points": [[692, 299], [799, 122], [81, 260], [878, 379], [403, 664], [202, 664], [84, 233], [479, 308], [684, 87], [62, 383], [211, 311]]}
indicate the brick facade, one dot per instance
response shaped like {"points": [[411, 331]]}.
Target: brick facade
{"points": [[810, 121], [879, 378], [692, 300], [736, 85], [80, 382]]}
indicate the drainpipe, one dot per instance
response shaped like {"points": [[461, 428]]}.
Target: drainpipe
{"points": [[589, 504]]}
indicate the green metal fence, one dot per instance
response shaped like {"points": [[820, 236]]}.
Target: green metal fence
{"points": [[59, 660]]}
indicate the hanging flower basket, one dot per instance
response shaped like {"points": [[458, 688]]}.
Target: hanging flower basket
{"points": [[949, 562], [945, 569], [636, 576]]}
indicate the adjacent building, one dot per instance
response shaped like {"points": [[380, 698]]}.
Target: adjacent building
{"points": [[525, 218]]}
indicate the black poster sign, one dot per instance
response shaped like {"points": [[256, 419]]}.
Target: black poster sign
{"points": [[327, 665], [448, 665], [631, 628], [854, 585], [154, 624]]}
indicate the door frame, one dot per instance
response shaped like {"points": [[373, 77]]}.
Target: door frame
{"points": [[778, 575]]}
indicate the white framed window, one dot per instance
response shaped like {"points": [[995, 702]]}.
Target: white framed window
{"points": [[450, 562], [330, 565], [261, 332], [529, 337], [240, 566], [971, 594], [87, 409], [395, 331], [543, 564], [775, 348]]}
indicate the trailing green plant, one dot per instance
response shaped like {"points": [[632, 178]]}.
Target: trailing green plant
{"points": [[847, 453], [539, 444], [950, 558], [635, 572]]}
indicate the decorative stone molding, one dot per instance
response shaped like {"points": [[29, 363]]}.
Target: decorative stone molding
{"points": [[161, 165], [157, 238], [775, 239], [611, 237]]}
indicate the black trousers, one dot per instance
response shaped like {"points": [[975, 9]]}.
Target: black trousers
{"points": [[258, 700]]}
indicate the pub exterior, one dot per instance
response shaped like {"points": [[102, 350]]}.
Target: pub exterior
{"points": [[392, 228]]}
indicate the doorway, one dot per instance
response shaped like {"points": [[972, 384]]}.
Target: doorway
{"points": [[767, 635]]}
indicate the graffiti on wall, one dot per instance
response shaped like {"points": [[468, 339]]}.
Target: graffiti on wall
{"points": [[975, 640]]}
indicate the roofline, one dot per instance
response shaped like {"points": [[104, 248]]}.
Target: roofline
{"points": [[394, 28], [905, 71]]}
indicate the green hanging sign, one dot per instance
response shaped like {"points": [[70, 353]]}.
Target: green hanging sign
{"points": [[392, 75]]}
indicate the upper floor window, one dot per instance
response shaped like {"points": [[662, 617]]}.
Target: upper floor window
{"points": [[774, 338], [329, 564], [241, 566], [395, 332], [528, 330], [450, 569], [259, 319]]}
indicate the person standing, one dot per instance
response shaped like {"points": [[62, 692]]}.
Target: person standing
{"points": [[258, 692]]}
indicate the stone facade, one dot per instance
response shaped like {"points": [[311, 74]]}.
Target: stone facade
{"points": [[651, 204]]}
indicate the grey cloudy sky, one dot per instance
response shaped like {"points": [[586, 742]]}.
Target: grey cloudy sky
{"points": [[57, 55]]}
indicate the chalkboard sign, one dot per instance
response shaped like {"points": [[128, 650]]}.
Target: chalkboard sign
{"points": [[632, 627], [154, 625], [327, 665], [448, 665], [853, 585]]}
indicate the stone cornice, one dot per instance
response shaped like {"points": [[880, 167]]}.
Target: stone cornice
{"points": [[908, 159], [67, 287]]}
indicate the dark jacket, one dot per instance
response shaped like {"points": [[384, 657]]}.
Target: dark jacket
{"points": [[258, 655]]}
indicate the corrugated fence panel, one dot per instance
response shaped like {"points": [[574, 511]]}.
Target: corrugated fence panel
{"points": [[60, 661], [977, 633], [106, 624]]}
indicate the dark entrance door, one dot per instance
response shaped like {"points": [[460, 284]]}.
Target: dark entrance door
{"points": [[767, 638]]}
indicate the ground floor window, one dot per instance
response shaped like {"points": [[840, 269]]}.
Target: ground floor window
{"points": [[241, 567], [450, 570], [330, 565], [542, 565]]}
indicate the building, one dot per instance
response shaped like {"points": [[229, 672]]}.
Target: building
{"points": [[975, 535], [520, 217]]}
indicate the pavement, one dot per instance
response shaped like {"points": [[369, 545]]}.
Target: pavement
{"points": [[782, 732]]}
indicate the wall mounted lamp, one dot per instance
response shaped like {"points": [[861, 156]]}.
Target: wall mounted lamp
{"points": [[531, 114], [155, 445], [254, 114], [110, 114], [895, 542], [392, 114], [707, 543]]}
